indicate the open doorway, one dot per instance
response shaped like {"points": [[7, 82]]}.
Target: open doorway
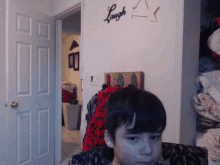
{"points": [[70, 79], [69, 27]]}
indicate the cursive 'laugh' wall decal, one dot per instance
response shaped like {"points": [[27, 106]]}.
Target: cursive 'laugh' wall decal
{"points": [[141, 11], [115, 16]]}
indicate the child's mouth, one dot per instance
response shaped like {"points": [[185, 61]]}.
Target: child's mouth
{"points": [[147, 163]]}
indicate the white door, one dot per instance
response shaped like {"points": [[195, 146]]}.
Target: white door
{"points": [[31, 84]]}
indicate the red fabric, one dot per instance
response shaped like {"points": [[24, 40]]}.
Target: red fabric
{"points": [[67, 97], [94, 136], [218, 19], [215, 55], [218, 63]]}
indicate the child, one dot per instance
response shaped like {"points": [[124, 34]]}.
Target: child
{"points": [[135, 120]]}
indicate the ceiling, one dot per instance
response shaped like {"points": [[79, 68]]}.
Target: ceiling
{"points": [[72, 22]]}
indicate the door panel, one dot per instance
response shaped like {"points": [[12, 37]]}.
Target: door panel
{"points": [[23, 69], [43, 59], [43, 137], [23, 135], [31, 84]]}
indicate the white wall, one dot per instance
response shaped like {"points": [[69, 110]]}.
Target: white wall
{"points": [[166, 50], [41, 5], [3, 155], [60, 6], [136, 45]]}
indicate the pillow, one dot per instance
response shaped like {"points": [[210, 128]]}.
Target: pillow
{"points": [[211, 83], [206, 106], [214, 42], [212, 143]]}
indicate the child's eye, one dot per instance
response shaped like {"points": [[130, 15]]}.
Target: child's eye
{"points": [[155, 138], [132, 139]]}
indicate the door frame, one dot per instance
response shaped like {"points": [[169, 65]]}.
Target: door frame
{"points": [[58, 72]]}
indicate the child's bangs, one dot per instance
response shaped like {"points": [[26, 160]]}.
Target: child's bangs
{"points": [[145, 122], [138, 110]]}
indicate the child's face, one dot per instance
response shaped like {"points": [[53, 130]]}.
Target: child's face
{"points": [[143, 149]]}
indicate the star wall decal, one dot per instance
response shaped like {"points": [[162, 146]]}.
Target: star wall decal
{"points": [[149, 12]]}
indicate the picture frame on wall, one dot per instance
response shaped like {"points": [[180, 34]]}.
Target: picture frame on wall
{"points": [[71, 60], [76, 61]]}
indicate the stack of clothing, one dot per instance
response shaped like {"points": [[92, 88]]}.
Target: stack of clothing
{"points": [[207, 106], [207, 102]]}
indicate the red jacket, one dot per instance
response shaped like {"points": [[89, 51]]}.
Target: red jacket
{"points": [[94, 136], [67, 97]]}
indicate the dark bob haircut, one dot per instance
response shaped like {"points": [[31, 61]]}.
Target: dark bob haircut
{"points": [[123, 104]]}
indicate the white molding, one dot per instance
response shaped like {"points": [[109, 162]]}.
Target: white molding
{"points": [[82, 67], [7, 75], [58, 109], [69, 11], [58, 95], [82, 39], [72, 31]]}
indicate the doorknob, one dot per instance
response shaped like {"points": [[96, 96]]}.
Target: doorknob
{"points": [[14, 105]]}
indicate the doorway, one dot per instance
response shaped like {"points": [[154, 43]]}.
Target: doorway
{"points": [[68, 42], [71, 88]]}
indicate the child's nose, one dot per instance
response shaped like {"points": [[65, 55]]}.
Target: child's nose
{"points": [[146, 149]]}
